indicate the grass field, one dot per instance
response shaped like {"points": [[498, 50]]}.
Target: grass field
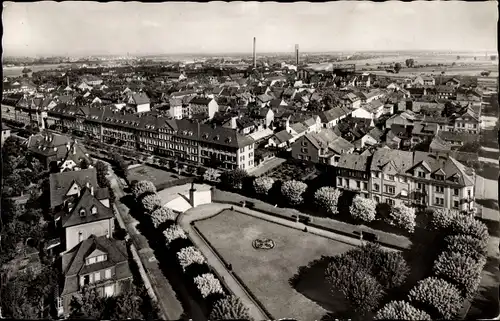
{"points": [[267, 272], [156, 176]]}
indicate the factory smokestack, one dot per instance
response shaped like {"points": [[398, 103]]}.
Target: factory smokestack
{"points": [[254, 57], [297, 54]]}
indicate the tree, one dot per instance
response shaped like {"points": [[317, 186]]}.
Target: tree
{"points": [[142, 187], [150, 202], [461, 270], [442, 218], [293, 192], [401, 310], [88, 304], [174, 232], [234, 178], [409, 63], [470, 147], [229, 308], [390, 269], [126, 305], [403, 216], [101, 170], [363, 208], [468, 225], [84, 164], [397, 67], [262, 185], [466, 245], [208, 284], [327, 198], [458, 57], [161, 215], [437, 295], [365, 292], [211, 175], [15, 184], [190, 255], [122, 166]]}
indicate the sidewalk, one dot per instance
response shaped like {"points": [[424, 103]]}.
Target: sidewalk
{"points": [[204, 211], [167, 299]]}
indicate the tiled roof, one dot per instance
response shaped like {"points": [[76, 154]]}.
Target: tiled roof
{"points": [[86, 202], [401, 160], [140, 98], [283, 136], [333, 114], [449, 165], [354, 162], [74, 261], [298, 128], [61, 182], [200, 101]]}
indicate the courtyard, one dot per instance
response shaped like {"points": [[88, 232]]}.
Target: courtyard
{"points": [[157, 176], [267, 272]]}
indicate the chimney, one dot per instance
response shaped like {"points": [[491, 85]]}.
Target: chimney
{"points": [[297, 54], [74, 149], [254, 57], [92, 190], [67, 80], [233, 122], [68, 146]]}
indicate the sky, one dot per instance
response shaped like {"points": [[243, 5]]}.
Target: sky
{"points": [[117, 28]]}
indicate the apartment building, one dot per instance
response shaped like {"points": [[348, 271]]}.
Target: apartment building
{"points": [[353, 173]]}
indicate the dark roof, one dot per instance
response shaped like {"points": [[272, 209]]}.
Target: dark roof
{"points": [[86, 202], [401, 160], [140, 98], [354, 162], [61, 182], [200, 101]]}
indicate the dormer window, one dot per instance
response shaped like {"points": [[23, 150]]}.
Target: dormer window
{"points": [[439, 177], [94, 210], [216, 137], [96, 259], [82, 213]]}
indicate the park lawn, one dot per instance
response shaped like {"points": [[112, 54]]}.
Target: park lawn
{"points": [[157, 176], [267, 272]]}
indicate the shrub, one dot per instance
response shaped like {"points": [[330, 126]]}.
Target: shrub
{"points": [[293, 192], [234, 178], [151, 202], [437, 295], [190, 255], [141, 187], [262, 185], [391, 269], [364, 292], [461, 270], [363, 209], [211, 175], [468, 225], [229, 308], [161, 215], [442, 218], [207, 284], [327, 198], [403, 216], [466, 245], [174, 232], [401, 310]]}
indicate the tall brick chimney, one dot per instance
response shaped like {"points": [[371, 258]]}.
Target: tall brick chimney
{"points": [[297, 54], [254, 56]]}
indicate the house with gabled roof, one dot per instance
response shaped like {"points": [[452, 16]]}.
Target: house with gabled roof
{"points": [[468, 120], [97, 262], [353, 173], [139, 102], [281, 139]]}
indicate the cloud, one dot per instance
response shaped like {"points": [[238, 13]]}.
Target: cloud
{"points": [[149, 23]]}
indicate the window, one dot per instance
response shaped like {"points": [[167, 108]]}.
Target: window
{"points": [[109, 290], [403, 179], [94, 210], [455, 192], [404, 192], [390, 177], [421, 174], [376, 175], [346, 182], [365, 186], [97, 277], [390, 201], [390, 189], [358, 184], [455, 204], [59, 303], [304, 150], [376, 199], [440, 189], [91, 260], [304, 143], [468, 193], [82, 213], [376, 187], [339, 181], [242, 150], [80, 236], [419, 185], [439, 201], [107, 274]]}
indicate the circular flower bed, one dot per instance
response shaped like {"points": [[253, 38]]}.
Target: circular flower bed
{"points": [[263, 244]]}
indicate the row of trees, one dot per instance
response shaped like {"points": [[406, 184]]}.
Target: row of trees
{"points": [[189, 258], [365, 275], [456, 271]]}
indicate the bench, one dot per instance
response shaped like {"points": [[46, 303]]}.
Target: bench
{"points": [[250, 204], [371, 237], [303, 219]]}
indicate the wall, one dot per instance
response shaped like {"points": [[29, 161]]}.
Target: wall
{"points": [[310, 154], [200, 198], [98, 228]]}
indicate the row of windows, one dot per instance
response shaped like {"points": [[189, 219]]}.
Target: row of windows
{"points": [[95, 277], [419, 174]]}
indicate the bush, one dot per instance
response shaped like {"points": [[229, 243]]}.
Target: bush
{"points": [[401, 310], [468, 225], [174, 232], [207, 284], [466, 245], [403, 216], [142, 187], [363, 209], [437, 295], [365, 292], [211, 175], [151, 202], [262, 185], [190, 255], [461, 270], [327, 198], [442, 218], [293, 192], [161, 215], [229, 308]]}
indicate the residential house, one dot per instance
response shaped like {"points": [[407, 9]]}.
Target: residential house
{"points": [[352, 101], [331, 118], [263, 100], [444, 92], [363, 81], [428, 81], [423, 132], [372, 110], [353, 173], [367, 97], [453, 82], [97, 262], [139, 102], [175, 110], [48, 147], [92, 80], [202, 105], [468, 121], [281, 139], [373, 137]]}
